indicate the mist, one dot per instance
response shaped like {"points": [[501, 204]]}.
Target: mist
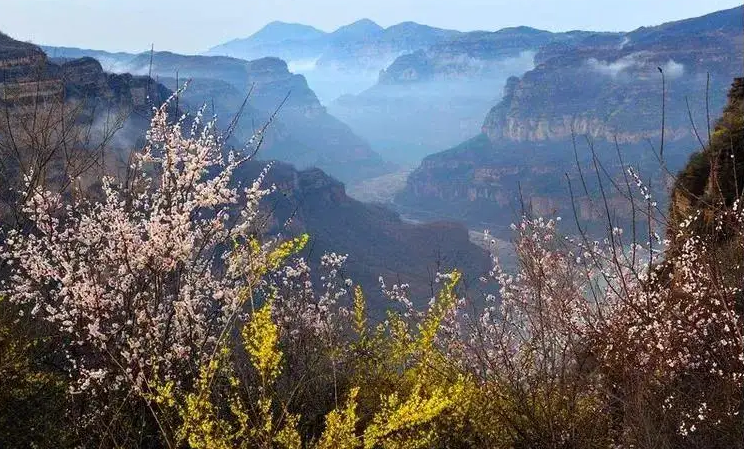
{"points": [[405, 122]]}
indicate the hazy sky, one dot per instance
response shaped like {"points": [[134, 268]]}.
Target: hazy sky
{"points": [[192, 26]]}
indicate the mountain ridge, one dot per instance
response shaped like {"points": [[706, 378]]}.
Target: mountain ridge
{"points": [[599, 89]]}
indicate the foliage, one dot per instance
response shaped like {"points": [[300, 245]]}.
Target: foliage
{"points": [[175, 323]]}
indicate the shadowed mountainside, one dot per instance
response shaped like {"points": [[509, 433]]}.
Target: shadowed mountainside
{"points": [[304, 133], [376, 240]]}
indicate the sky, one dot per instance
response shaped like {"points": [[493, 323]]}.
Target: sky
{"points": [[193, 26]]}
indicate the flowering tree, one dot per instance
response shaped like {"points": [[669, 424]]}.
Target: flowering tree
{"points": [[144, 280]]}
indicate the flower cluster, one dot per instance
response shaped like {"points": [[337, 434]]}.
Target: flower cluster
{"points": [[146, 276]]}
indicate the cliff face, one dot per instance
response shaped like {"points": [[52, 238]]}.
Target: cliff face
{"points": [[474, 54], [28, 77], [436, 97], [25, 73], [602, 89], [611, 86]]}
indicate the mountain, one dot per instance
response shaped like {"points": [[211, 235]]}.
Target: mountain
{"points": [[361, 30], [376, 240], [471, 54], [433, 98], [287, 41], [111, 62], [601, 87], [278, 32], [343, 61], [303, 134]]}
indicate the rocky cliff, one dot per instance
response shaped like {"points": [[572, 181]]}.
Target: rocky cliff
{"points": [[28, 77], [473, 54], [612, 87], [434, 98], [600, 89]]}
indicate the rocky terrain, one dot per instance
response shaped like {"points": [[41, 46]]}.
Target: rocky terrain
{"points": [[601, 88], [28, 77]]}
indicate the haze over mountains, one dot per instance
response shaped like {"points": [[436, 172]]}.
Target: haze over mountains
{"points": [[602, 88], [347, 60], [483, 117]]}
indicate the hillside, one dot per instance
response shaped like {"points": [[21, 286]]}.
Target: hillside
{"points": [[709, 182], [305, 133], [434, 98], [377, 241], [601, 87]]}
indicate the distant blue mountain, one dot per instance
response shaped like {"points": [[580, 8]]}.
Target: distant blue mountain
{"points": [[278, 32]]}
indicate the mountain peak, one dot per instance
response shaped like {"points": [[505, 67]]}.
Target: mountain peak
{"points": [[277, 31], [358, 29], [365, 23]]}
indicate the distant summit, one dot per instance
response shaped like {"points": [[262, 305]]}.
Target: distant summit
{"points": [[361, 29], [277, 32]]}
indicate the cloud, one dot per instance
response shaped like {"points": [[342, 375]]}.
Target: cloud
{"points": [[636, 62], [612, 69], [302, 65], [673, 69]]}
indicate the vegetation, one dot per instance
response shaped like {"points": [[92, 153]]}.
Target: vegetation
{"points": [[156, 314]]}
